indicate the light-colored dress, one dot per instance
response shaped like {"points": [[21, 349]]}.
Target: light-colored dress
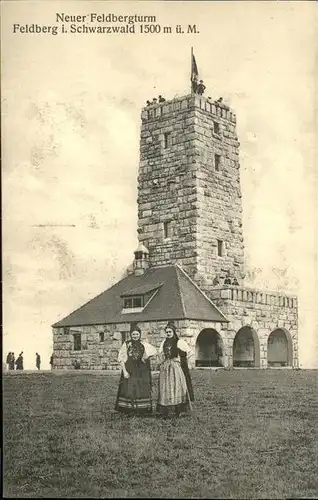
{"points": [[174, 391], [134, 393]]}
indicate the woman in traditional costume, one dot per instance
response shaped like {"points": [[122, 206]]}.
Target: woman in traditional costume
{"points": [[175, 386], [134, 392]]}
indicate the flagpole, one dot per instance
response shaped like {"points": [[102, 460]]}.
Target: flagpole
{"points": [[191, 70]]}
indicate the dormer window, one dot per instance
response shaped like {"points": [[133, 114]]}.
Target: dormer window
{"points": [[132, 302], [135, 300]]}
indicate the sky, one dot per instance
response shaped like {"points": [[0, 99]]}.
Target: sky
{"points": [[71, 107]]}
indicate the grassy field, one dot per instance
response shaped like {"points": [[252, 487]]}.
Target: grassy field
{"points": [[251, 434]]}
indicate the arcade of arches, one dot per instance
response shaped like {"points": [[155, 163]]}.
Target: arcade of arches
{"points": [[209, 349]]}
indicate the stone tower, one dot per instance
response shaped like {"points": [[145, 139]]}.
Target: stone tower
{"points": [[189, 195], [189, 265]]}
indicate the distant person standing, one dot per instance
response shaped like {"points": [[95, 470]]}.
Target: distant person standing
{"points": [[52, 362], [8, 360], [12, 361], [38, 361], [19, 361]]}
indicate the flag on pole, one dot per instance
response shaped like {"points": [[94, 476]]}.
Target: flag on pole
{"points": [[194, 72]]}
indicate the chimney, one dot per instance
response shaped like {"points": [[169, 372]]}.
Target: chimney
{"points": [[141, 262]]}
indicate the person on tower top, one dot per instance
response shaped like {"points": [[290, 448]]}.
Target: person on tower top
{"points": [[227, 280], [200, 88]]}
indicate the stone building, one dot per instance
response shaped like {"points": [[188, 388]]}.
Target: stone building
{"points": [[189, 266]]}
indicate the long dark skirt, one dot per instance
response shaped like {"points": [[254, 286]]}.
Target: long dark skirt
{"points": [[134, 393], [185, 369]]}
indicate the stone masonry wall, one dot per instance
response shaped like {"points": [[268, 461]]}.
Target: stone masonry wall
{"points": [[167, 184], [219, 198], [178, 183], [97, 355], [264, 312], [94, 354]]}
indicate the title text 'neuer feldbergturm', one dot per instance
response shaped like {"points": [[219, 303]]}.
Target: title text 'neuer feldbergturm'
{"points": [[103, 18]]}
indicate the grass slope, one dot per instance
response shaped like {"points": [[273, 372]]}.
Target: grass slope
{"points": [[251, 434]]}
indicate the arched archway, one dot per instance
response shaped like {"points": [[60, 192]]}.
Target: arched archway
{"points": [[279, 348], [246, 348], [209, 348]]}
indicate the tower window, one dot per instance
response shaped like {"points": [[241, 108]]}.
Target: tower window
{"points": [[167, 140], [167, 229], [101, 336], [220, 248], [77, 341], [217, 162], [216, 128]]}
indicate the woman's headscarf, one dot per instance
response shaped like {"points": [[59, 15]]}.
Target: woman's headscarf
{"points": [[171, 343], [135, 328], [172, 327]]}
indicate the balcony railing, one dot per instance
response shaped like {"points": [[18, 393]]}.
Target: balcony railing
{"points": [[237, 294], [216, 108]]}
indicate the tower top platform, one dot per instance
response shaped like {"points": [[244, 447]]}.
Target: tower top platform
{"points": [[188, 102]]}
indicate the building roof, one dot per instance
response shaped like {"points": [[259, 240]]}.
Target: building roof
{"points": [[177, 297], [141, 290]]}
